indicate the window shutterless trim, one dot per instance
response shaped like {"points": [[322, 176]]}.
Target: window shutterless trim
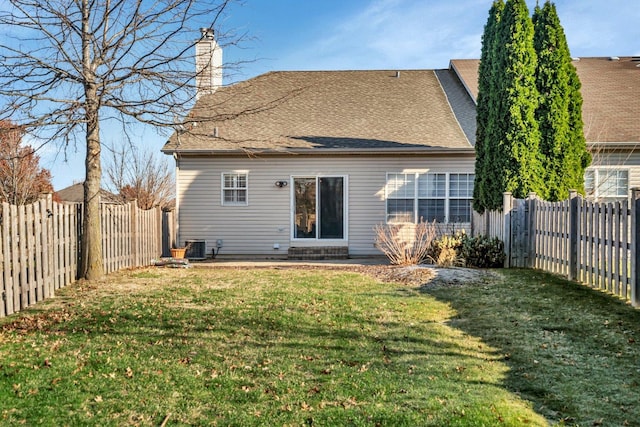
{"points": [[235, 188], [595, 172]]}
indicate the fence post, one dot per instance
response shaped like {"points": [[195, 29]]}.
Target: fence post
{"points": [[573, 234], [635, 247], [158, 231], [507, 205], [530, 231]]}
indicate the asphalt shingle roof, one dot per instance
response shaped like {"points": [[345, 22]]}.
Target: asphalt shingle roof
{"points": [[323, 111], [75, 194], [610, 92]]}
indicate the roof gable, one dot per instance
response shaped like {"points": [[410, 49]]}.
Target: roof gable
{"points": [[324, 110]]}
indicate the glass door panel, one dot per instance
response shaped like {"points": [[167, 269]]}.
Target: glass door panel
{"points": [[305, 213], [331, 208]]}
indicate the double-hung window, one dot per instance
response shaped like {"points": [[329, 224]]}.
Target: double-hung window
{"points": [[440, 197], [401, 194], [460, 196], [607, 184], [432, 197], [234, 189]]}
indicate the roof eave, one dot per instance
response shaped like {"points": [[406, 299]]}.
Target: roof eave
{"points": [[601, 145], [325, 151]]}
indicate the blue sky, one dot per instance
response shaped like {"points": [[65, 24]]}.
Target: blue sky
{"points": [[381, 34]]}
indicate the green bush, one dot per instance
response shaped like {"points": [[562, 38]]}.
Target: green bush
{"points": [[482, 251]]}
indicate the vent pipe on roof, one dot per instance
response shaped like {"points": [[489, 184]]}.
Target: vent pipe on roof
{"points": [[397, 74], [208, 63]]}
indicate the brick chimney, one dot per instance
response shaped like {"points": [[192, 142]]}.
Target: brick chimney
{"points": [[208, 64]]}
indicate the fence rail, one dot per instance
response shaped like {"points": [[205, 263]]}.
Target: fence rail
{"points": [[41, 245], [594, 243]]}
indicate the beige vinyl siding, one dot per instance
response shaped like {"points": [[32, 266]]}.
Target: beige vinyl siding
{"points": [[620, 160], [266, 220]]}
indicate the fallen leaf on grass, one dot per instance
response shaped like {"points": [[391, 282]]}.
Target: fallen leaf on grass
{"points": [[350, 402], [314, 390]]}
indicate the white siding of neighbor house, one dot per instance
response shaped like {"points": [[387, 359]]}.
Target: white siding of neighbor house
{"points": [[620, 160], [266, 220]]}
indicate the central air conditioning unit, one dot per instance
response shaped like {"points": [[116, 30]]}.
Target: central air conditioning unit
{"points": [[196, 249]]}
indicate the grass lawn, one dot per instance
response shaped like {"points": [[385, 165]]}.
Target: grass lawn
{"points": [[319, 347]]}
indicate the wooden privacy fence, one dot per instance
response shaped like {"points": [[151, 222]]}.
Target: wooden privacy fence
{"points": [[590, 242], [41, 245], [131, 237]]}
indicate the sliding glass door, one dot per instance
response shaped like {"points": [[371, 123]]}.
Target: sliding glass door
{"points": [[319, 207]]}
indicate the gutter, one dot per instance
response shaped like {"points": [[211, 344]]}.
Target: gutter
{"points": [[469, 151], [613, 145]]}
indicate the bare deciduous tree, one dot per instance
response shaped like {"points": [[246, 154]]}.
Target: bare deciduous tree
{"points": [[22, 180], [141, 175], [67, 67]]}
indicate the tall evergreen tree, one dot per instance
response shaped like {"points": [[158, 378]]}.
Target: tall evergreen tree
{"points": [[485, 101], [511, 143], [559, 115]]}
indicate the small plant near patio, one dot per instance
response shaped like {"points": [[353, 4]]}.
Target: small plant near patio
{"points": [[406, 243], [446, 251]]}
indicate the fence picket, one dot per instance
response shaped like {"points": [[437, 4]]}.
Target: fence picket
{"points": [[7, 266], [37, 253], [4, 266], [45, 207], [626, 230], [616, 259], [584, 236]]}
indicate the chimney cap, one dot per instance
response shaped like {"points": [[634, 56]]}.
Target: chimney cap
{"points": [[207, 33]]}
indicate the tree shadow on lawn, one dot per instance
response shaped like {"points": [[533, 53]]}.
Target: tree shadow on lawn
{"points": [[572, 351]]}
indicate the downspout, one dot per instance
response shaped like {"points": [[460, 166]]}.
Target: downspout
{"points": [[177, 211]]}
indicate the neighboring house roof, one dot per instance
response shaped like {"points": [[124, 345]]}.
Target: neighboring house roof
{"points": [[610, 92], [332, 111], [75, 194]]}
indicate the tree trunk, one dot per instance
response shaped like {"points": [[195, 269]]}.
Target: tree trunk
{"points": [[91, 256], [90, 266]]}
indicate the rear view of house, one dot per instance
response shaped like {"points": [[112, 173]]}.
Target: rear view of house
{"points": [[291, 163]]}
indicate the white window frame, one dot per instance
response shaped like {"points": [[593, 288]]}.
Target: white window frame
{"points": [[416, 196], [390, 196], [235, 187], [468, 197], [443, 197], [596, 171]]}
